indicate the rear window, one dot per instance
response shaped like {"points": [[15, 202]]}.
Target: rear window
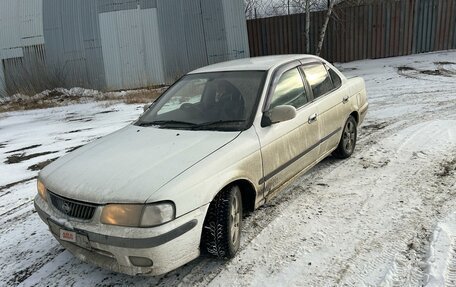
{"points": [[318, 79]]}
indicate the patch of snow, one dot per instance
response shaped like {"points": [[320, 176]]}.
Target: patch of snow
{"points": [[441, 263]]}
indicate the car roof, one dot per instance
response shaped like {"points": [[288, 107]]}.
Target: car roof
{"points": [[264, 63]]}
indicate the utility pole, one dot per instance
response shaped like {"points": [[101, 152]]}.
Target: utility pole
{"points": [[288, 7]]}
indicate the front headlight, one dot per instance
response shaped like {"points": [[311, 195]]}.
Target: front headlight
{"points": [[41, 189], [137, 215]]}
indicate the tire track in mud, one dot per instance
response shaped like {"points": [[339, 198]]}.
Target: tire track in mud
{"points": [[450, 274], [26, 248], [443, 70], [19, 217], [408, 254], [22, 274], [4, 188], [15, 209]]}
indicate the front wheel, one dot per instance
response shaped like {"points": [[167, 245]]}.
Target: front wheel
{"points": [[222, 226], [348, 140]]}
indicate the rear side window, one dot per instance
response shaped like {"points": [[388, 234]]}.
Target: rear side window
{"points": [[335, 78], [289, 90], [318, 79]]}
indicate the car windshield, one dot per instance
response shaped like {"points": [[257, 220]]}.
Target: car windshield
{"points": [[209, 101]]}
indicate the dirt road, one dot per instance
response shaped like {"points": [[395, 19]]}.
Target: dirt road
{"points": [[385, 217]]}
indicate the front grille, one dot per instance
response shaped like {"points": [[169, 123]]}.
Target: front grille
{"points": [[72, 208]]}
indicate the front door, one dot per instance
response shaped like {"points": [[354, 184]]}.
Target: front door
{"points": [[329, 99], [289, 147]]}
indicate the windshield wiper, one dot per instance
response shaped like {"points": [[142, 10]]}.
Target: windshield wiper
{"points": [[216, 124], [165, 123]]}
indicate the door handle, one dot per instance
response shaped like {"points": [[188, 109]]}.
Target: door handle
{"points": [[313, 118], [345, 100]]}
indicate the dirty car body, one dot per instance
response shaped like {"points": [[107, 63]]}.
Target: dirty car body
{"points": [[221, 141]]}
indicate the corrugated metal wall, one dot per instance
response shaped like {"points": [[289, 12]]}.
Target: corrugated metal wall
{"points": [[73, 43], [194, 33], [173, 33], [131, 49], [378, 30], [200, 32], [21, 43], [237, 38], [114, 44]]}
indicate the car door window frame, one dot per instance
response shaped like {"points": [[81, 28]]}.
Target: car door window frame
{"points": [[304, 94], [310, 87], [275, 78]]}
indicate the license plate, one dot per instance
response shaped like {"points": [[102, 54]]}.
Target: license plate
{"points": [[67, 235]]}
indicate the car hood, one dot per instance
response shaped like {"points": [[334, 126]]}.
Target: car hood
{"points": [[129, 165]]}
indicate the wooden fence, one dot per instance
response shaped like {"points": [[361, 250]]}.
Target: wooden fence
{"points": [[382, 29]]}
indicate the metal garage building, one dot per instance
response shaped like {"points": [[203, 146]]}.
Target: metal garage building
{"points": [[114, 44]]}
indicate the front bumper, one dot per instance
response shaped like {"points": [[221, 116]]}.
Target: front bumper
{"points": [[167, 247]]}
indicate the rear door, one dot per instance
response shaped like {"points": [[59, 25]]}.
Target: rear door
{"points": [[329, 97], [289, 147]]}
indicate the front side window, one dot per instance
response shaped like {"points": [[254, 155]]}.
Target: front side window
{"points": [[318, 79], [289, 90], [208, 101]]}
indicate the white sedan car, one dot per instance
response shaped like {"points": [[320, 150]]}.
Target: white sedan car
{"points": [[218, 143]]}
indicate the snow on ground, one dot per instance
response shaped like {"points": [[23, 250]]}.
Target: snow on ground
{"points": [[385, 217]]}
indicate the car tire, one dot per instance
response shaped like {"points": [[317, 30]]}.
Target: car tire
{"points": [[222, 226], [348, 139]]}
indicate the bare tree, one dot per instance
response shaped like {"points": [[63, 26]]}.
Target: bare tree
{"points": [[250, 8], [283, 7], [301, 6], [321, 38]]}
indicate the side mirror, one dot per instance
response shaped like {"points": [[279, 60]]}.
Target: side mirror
{"points": [[278, 114]]}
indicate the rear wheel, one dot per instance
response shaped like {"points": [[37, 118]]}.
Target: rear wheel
{"points": [[222, 226], [348, 140]]}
